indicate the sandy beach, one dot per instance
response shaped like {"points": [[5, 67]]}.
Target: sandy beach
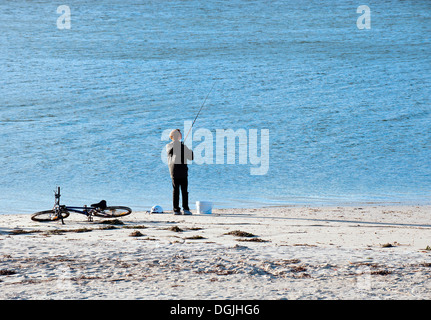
{"points": [[367, 252]]}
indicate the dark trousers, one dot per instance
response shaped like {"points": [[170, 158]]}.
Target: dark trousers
{"points": [[182, 183]]}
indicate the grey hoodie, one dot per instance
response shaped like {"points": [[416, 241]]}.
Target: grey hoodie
{"points": [[178, 154]]}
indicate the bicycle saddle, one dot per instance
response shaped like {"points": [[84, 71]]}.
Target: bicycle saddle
{"points": [[101, 205]]}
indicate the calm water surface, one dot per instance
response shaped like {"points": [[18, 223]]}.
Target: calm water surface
{"points": [[348, 110]]}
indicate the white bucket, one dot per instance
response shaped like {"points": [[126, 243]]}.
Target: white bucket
{"points": [[204, 207]]}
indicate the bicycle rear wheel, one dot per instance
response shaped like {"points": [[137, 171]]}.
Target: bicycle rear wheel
{"points": [[49, 215], [113, 212]]}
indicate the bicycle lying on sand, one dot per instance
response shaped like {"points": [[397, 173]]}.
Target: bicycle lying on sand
{"points": [[60, 212]]}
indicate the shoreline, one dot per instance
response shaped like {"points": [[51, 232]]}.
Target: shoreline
{"points": [[359, 252], [262, 205]]}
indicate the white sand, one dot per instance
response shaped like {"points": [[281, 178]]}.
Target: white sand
{"points": [[306, 253]]}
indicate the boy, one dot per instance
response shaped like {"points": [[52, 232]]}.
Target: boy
{"points": [[178, 154]]}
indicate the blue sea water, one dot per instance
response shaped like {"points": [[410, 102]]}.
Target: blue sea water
{"points": [[348, 110]]}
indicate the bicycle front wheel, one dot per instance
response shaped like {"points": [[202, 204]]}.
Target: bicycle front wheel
{"points": [[113, 212], [49, 215]]}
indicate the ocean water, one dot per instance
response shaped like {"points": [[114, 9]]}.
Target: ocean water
{"points": [[85, 108]]}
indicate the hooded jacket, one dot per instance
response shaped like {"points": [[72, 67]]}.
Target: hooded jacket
{"points": [[178, 154]]}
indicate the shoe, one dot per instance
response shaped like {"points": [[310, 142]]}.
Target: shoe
{"points": [[177, 213], [187, 212]]}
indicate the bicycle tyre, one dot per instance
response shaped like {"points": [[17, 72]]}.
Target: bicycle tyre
{"points": [[48, 215], [114, 212]]}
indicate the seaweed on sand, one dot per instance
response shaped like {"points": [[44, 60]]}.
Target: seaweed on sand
{"points": [[136, 234], [112, 222], [175, 229], [240, 233]]}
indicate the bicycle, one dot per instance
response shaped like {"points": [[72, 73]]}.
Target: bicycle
{"points": [[61, 212]]}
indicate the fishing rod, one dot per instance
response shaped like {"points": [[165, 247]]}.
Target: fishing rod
{"points": [[198, 113]]}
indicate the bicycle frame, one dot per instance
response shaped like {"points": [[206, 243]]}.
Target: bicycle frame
{"points": [[88, 211], [85, 210]]}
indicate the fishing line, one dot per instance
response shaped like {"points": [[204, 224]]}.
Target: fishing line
{"points": [[198, 113]]}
